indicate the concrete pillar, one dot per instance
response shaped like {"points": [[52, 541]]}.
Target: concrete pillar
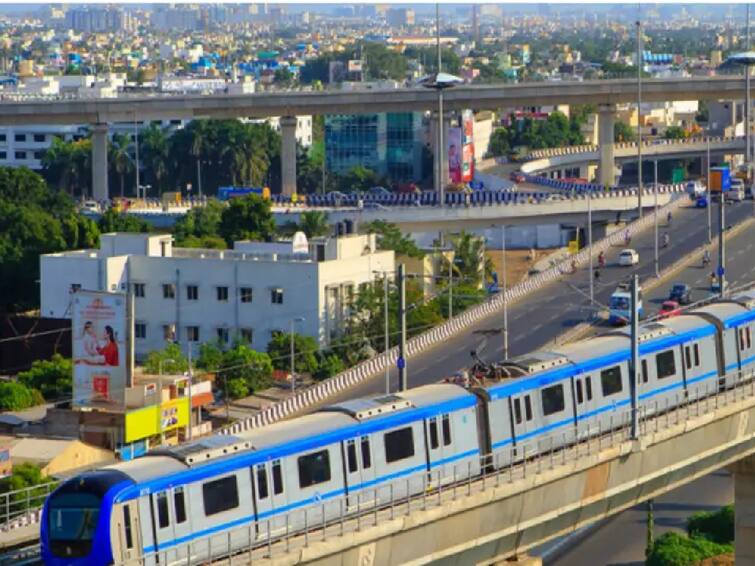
{"points": [[606, 118], [744, 511], [443, 154], [288, 154], [99, 162]]}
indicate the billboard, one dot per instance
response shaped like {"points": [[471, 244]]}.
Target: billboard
{"points": [[154, 419], [99, 349], [467, 153], [355, 66], [454, 155]]}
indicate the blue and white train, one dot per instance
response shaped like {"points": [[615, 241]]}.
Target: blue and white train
{"points": [[365, 451]]}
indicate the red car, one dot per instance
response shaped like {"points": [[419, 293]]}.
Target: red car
{"points": [[516, 177], [669, 309]]}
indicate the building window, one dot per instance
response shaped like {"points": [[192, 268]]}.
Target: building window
{"points": [[20, 137], [75, 287], [314, 468], [192, 333], [247, 335], [222, 294], [139, 290], [399, 444], [39, 138], [3, 155], [169, 332], [276, 296], [20, 155], [169, 291], [39, 154], [553, 399], [245, 293], [192, 293], [220, 495], [610, 380], [140, 330], [222, 334], [3, 138]]}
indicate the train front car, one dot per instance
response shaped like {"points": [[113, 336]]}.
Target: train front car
{"points": [[76, 517]]}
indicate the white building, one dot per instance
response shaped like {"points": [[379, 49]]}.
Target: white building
{"points": [[197, 295]]}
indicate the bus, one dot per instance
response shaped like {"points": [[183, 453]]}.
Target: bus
{"points": [[620, 306], [227, 193]]}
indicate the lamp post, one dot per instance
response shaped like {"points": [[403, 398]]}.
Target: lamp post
{"points": [[655, 214], [639, 116], [589, 247], [386, 338], [293, 353], [160, 393], [746, 59]]}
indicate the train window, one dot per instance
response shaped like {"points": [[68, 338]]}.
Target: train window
{"points": [[553, 399], [664, 363], [688, 357], [163, 519], [366, 456], [644, 376], [127, 526], [351, 456], [220, 495], [749, 337], [517, 411], [527, 408], [262, 490], [277, 477], [446, 430], [696, 350], [580, 399], [179, 504], [610, 381], [742, 339], [588, 388], [433, 426], [314, 468], [399, 444]]}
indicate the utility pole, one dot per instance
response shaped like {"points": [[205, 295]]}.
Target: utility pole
{"points": [[635, 360], [199, 177], [748, 102], [707, 189], [136, 154], [191, 385], [589, 247], [386, 338], [450, 289], [655, 215], [721, 247], [639, 114], [503, 290], [401, 362]]}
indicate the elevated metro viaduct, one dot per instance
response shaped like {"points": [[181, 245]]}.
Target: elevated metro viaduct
{"points": [[99, 112]]}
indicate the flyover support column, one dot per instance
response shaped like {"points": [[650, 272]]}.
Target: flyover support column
{"points": [[606, 119], [441, 154], [288, 155], [99, 162], [744, 510]]}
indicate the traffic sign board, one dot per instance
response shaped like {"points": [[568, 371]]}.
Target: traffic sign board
{"points": [[721, 271], [401, 363]]}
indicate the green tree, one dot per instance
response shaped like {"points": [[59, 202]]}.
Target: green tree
{"points": [[470, 262], [715, 526], [247, 218], [500, 143], [210, 356], [672, 549], [244, 371], [314, 223], [389, 237], [15, 396], [67, 165], [199, 226], [623, 132], [328, 366], [53, 378], [383, 63], [156, 158], [119, 158], [358, 178], [172, 358], [114, 221], [284, 76], [675, 133], [317, 69], [305, 354]]}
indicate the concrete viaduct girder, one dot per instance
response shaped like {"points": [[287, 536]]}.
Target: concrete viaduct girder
{"points": [[485, 522]]}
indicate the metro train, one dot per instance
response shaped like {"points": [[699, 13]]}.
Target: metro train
{"points": [[361, 453]]}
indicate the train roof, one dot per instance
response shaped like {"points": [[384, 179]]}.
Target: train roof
{"points": [[151, 465], [579, 352], [307, 426], [735, 310]]}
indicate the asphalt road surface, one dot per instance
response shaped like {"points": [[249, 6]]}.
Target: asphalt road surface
{"points": [[548, 312]]}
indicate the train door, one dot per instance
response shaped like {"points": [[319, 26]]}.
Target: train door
{"points": [[586, 403], [439, 448], [127, 537], [163, 525], [270, 496], [746, 349], [359, 471], [181, 514], [524, 422]]}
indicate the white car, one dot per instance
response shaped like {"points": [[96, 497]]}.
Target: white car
{"points": [[695, 189], [90, 206], [629, 257]]}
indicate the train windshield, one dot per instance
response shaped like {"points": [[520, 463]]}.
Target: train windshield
{"points": [[619, 303], [72, 521]]}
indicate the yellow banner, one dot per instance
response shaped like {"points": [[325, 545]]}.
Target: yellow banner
{"points": [[154, 419], [573, 246]]}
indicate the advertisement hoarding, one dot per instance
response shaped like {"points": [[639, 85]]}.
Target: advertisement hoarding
{"points": [[99, 349], [467, 154], [152, 420], [454, 155]]}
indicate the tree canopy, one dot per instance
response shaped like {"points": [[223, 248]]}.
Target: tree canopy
{"points": [[53, 378], [389, 237], [247, 218]]}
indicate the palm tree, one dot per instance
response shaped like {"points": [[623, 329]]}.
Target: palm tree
{"points": [[59, 165], [120, 158], [314, 223], [156, 154], [470, 262]]}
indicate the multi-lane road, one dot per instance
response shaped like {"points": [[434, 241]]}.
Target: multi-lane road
{"points": [[548, 312]]}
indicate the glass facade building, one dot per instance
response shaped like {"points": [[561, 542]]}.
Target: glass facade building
{"points": [[390, 144]]}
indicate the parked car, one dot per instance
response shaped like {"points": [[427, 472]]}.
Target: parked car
{"points": [[89, 206], [681, 293], [669, 309], [629, 257]]}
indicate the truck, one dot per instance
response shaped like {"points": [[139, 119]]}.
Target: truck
{"points": [[720, 180]]}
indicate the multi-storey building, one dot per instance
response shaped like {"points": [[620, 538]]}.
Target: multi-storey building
{"points": [[197, 295]]}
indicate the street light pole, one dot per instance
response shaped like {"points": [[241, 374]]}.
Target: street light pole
{"points": [[386, 337], [199, 176], [707, 189], [655, 215], [635, 358], [589, 246], [503, 290], [639, 115], [160, 393], [402, 380], [136, 153], [191, 393], [293, 354], [450, 289]]}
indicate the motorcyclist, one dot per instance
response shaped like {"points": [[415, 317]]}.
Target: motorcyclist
{"points": [[668, 217], [666, 240], [602, 259], [706, 257]]}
